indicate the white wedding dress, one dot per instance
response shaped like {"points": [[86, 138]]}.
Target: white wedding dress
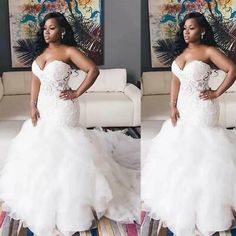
{"points": [[59, 174], [189, 173]]}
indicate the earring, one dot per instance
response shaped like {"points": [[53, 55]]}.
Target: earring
{"points": [[202, 35], [62, 35]]}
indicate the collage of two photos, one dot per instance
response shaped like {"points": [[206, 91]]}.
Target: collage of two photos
{"points": [[117, 118], [69, 118]]}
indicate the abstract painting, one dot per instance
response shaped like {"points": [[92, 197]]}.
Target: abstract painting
{"points": [[165, 16], [85, 17]]}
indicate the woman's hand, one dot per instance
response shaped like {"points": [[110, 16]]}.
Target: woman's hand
{"points": [[208, 94], [34, 115], [174, 115], [68, 94]]}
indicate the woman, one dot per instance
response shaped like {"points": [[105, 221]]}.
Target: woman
{"points": [[59, 176], [189, 174]]}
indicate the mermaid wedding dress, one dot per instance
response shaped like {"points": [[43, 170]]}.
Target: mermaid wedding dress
{"points": [[59, 174], [189, 173]]}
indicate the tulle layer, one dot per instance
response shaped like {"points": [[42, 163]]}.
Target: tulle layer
{"points": [[189, 178], [60, 176]]}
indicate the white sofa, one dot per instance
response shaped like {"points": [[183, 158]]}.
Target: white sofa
{"points": [[110, 102], [156, 96]]}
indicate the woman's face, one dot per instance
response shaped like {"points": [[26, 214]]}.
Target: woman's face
{"points": [[192, 31], [52, 31]]}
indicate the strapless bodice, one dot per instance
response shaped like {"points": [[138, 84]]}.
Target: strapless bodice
{"points": [[54, 78], [194, 78]]}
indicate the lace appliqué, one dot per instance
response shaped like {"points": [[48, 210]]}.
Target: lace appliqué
{"points": [[194, 79], [54, 110], [195, 85], [56, 85]]}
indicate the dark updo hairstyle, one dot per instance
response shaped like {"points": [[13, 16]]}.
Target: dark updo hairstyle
{"points": [[68, 38], [208, 38]]}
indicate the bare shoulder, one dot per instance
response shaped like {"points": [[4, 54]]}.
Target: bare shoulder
{"points": [[71, 50], [219, 59], [79, 59], [213, 53], [212, 50]]}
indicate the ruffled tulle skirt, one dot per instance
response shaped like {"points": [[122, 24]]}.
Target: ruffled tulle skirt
{"points": [[56, 176], [189, 178]]}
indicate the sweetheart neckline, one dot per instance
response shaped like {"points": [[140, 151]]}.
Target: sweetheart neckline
{"points": [[50, 63], [190, 63]]}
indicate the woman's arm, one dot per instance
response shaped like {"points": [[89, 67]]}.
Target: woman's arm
{"points": [[225, 64], [85, 64], [35, 86], [174, 91]]}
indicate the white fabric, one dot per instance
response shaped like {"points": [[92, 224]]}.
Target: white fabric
{"points": [[113, 80], [149, 129], [8, 130], [16, 82], [189, 174], [58, 173]]}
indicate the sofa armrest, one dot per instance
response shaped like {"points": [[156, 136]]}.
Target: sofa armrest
{"points": [[1, 89], [141, 86], [134, 94]]}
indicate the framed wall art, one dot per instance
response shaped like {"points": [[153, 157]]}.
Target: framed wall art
{"points": [[85, 17], [165, 16]]}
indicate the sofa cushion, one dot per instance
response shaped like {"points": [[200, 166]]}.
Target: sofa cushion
{"points": [[111, 80], [155, 107], [15, 107], [16, 82], [227, 110], [107, 109], [156, 82]]}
